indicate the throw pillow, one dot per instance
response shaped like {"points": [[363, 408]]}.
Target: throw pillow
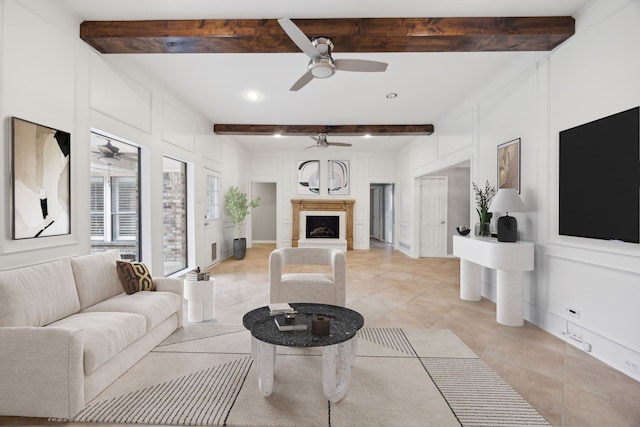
{"points": [[134, 277]]}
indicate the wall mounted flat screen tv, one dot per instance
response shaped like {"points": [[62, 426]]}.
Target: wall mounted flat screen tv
{"points": [[600, 179]]}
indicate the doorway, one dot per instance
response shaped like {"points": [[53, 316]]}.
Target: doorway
{"points": [[458, 207], [263, 217], [381, 213]]}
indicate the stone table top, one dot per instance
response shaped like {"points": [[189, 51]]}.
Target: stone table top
{"points": [[345, 323]]}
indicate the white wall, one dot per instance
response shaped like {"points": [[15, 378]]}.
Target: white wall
{"points": [[592, 75], [280, 167], [50, 76]]}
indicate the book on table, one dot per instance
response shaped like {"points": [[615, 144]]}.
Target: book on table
{"points": [[280, 308], [298, 323]]}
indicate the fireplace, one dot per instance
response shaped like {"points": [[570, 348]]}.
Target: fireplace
{"points": [[323, 227], [303, 208]]}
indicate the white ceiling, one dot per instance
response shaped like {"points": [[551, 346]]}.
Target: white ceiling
{"points": [[427, 84]]}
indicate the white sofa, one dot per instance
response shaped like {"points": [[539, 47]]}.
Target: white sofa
{"points": [[67, 331]]}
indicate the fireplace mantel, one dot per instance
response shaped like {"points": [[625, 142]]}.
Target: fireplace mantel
{"points": [[329, 205]]}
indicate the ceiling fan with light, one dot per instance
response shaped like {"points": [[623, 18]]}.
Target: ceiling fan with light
{"points": [[321, 142], [322, 65], [108, 152]]}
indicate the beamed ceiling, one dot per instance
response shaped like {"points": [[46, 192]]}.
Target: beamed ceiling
{"points": [[491, 34], [458, 34]]}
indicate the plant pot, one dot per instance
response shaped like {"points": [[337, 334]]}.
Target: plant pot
{"points": [[239, 248]]}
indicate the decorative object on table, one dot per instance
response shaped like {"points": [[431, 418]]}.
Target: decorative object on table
{"points": [[338, 177], [290, 317], [237, 206], [509, 165], [291, 322], [320, 325], [483, 199], [41, 177], [507, 200], [308, 177], [463, 230], [197, 275]]}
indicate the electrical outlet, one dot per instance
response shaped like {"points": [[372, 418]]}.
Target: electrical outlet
{"points": [[573, 333], [573, 312]]}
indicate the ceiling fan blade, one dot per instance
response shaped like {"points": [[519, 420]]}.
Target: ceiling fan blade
{"points": [[339, 144], [298, 37], [128, 158], [311, 146], [360, 65], [302, 82]]}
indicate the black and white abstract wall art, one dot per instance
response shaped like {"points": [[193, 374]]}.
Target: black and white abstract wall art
{"points": [[41, 179], [338, 177], [308, 177]]}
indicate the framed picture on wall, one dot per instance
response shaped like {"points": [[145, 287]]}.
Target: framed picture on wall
{"points": [[338, 177], [308, 177], [41, 180], [509, 165]]}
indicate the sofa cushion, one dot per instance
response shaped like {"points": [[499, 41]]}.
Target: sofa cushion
{"points": [[37, 295], [134, 277], [154, 306], [96, 277], [105, 334]]}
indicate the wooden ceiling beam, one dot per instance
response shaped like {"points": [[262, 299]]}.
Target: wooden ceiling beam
{"points": [[343, 130], [348, 35]]}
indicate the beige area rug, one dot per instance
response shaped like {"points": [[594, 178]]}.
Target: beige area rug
{"points": [[203, 375]]}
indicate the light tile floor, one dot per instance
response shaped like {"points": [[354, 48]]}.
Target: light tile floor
{"points": [[567, 386]]}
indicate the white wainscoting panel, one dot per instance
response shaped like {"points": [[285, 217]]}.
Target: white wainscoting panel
{"points": [[607, 298]]}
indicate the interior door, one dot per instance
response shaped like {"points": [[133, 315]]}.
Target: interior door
{"points": [[376, 213], [433, 216]]}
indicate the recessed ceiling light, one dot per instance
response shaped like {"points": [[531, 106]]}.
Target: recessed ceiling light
{"points": [[392, 95], [367, 135], [252, 95], [277, 135]]}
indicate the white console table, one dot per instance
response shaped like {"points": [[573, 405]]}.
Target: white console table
{"points": [[510, 259]]}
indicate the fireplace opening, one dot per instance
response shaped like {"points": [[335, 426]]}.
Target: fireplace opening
{"points": [[323, 227]]}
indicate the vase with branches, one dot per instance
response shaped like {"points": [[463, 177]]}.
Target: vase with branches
{"points": [[483, 198]]}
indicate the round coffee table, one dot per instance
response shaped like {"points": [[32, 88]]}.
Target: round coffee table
{"points": [[338, 348]]}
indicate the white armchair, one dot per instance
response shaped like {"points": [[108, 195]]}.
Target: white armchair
{"points": [[320, 288]]}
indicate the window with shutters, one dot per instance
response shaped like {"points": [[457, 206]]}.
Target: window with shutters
{"points": [[115, 199], [97, 208], [124, 202]]}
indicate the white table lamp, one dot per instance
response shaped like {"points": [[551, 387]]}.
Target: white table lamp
{"points": [[507, 200]]}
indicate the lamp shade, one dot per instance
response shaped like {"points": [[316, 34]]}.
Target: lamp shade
{"points": [[507, 200]]}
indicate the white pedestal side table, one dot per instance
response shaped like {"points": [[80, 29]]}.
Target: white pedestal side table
{"points": [[201, 299], [509, 259]]}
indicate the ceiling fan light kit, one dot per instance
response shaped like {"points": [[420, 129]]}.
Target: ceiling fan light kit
{"points": [[321, 67]]}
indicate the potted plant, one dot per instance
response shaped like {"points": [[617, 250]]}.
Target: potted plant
{"points": [[483, 199], [237, 206]]}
